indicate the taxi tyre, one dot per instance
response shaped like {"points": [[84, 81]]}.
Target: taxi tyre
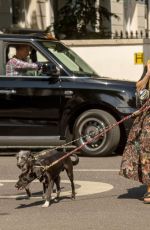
{"points": [[88, 121]]}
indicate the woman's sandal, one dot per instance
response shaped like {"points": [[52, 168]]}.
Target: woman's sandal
{"points": [[147, 195]]}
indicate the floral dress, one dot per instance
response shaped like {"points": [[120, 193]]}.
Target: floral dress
{"points": [[135, 162]]}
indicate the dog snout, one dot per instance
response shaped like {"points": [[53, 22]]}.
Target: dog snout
{"points": [[20, 163], [18, 185]]}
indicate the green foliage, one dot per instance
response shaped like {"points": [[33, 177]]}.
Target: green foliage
{"points": [[79, 19]]}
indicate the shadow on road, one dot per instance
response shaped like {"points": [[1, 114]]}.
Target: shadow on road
{"points": [[4, 213], [37, 203], [134, 193]]}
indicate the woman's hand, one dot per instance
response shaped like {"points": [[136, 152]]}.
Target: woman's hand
{"points": [[141, 84]]}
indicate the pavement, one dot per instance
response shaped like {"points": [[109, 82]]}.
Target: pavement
{"points": [[104, 200]]}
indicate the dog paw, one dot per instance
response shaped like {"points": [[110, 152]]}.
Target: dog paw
{"points": [[46, 204], [73, 197]]}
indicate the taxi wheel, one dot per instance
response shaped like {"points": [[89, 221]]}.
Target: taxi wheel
{"points": [[89, 133]]}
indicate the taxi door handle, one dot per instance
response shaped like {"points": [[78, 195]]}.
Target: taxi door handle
{"points": [[68, 93], [7, 91]]}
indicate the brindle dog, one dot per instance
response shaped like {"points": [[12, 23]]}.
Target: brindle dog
{"points": [[35, 167], [24, 161]]}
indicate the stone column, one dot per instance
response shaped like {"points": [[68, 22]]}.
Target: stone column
{"points": [[148, 18], [98, 22]]}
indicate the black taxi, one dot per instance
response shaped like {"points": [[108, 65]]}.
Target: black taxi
{"points": [[63, 102]]}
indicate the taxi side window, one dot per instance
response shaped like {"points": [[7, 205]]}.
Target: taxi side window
{"points": [[36, 64]]}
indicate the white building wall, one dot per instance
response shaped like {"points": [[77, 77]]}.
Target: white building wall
{"points": [[141, 16], [117, 8], [113, 58], [131, 14], [39, 15], [148, 18]]}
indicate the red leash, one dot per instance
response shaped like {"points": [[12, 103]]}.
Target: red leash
{"points": [[144, 108]]}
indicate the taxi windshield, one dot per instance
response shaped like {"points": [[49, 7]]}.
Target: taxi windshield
{"points": [[68, 58]]}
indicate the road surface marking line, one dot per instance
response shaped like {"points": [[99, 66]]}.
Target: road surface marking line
{"points": [[85, 188]]}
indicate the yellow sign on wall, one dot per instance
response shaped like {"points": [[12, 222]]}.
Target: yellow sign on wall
{"points": [[138, 58]]}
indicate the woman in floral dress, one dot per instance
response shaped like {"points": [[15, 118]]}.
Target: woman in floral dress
{"points": [[135, 162]]}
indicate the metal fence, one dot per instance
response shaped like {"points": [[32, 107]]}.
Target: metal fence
{"points": [[130, 35]]}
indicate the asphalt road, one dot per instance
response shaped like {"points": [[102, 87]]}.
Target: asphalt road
{"points": [[104, 200]]}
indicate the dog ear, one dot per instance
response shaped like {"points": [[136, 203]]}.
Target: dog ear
{"points": [[30, 155], [32, 158]]}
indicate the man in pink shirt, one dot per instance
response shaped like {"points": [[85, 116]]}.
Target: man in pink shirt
{"points": [[18, 64]]}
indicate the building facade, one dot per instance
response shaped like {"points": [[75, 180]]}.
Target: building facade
{"points": [[133, 22], [134, 17], [30, 14]]}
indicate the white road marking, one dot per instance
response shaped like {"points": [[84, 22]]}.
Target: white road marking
{"points": [[86, 188], [8, 181], [1, 184]]}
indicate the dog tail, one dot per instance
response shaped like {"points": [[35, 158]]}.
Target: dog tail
{"points": [[74, 159]]}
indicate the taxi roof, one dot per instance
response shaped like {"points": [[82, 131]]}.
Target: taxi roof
{"points": [[28, 36]]}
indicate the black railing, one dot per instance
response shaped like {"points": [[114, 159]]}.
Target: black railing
{"points": [[130, 35], [89, 35]]}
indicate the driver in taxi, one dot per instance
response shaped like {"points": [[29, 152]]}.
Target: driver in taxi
{"points": [[18, 64]]}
